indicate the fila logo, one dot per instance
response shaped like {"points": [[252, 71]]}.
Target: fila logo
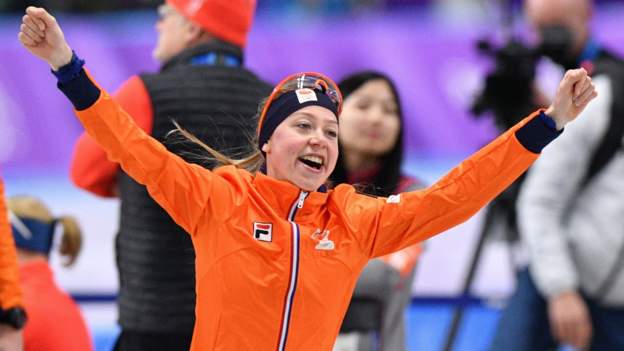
{"points": [[263, 231]]}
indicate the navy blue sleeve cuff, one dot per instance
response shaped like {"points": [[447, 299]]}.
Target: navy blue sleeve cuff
{"points": [[538, 133], [73, 81]]}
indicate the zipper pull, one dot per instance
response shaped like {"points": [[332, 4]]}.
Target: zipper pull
{"points": [[302, 197]]}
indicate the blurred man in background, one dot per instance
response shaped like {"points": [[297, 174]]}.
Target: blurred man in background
{"points": [[571, 206], [203, 85]]}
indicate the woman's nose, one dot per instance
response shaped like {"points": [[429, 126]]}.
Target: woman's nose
{"points": [[317, 138], [375, 115]]}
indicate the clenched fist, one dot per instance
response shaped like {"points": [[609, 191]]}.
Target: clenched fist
{"points": [[575, 91], [43, 37]]}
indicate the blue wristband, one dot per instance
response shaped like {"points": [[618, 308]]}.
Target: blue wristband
{"points": [[70, 71], [548, 121], [538, 133], [76, 85]]}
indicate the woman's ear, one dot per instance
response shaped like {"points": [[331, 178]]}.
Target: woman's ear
{"points": [[266, 148]]}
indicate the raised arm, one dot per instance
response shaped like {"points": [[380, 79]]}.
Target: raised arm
{"points": [[412, 217], [183, 190]]}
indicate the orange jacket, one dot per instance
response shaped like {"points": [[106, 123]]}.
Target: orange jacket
{"points": [[10, 292], [276, 266]]}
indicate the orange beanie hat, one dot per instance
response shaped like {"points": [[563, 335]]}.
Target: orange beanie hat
{"points": [[228, 20]]}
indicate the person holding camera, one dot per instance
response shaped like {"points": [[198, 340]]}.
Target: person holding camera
{"points": [[571, 204]]}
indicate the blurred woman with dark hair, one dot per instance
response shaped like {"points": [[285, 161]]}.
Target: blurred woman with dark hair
{"points": [[371, 153]]}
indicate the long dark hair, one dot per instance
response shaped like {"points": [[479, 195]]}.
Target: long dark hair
{"points": [[387, 180]]}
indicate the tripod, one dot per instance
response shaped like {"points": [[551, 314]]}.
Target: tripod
{"points": [[503, 205]]}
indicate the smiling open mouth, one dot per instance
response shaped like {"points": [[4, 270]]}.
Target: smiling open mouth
{"points": [[312, 161]]}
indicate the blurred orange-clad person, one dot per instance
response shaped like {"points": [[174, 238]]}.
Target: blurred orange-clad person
{"points": [[12, 316]]}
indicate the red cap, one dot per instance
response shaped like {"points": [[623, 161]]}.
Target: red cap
{"points": [[228, 20]]}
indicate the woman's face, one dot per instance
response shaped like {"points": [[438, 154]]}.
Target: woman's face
{"points": [[370, 123], [304, 148]]}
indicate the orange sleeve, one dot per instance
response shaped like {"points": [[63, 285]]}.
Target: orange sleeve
{"points": [[404, 261], [10, 292], [184, 190], [389, 225], [90, 168]]}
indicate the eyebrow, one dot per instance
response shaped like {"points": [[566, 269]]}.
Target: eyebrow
{"points": [[314, 116], [375, 98]]}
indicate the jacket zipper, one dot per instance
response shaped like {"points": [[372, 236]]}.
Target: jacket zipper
{"points": [[294, 271]]}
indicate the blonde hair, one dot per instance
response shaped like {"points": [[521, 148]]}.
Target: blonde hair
{"points": [[251, 162], [31, 207]]}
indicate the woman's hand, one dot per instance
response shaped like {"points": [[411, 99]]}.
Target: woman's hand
{"points": [[43, 37], [575, 91]]}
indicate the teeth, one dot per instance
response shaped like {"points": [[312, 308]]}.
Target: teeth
{"points": [[314, 159]]}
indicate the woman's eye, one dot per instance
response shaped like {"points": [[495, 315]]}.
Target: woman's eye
{"points": [[304, 126], [387, 107], [332, 133]]}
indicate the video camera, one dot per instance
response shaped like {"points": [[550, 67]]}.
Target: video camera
{"points": [[508, 90]]}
